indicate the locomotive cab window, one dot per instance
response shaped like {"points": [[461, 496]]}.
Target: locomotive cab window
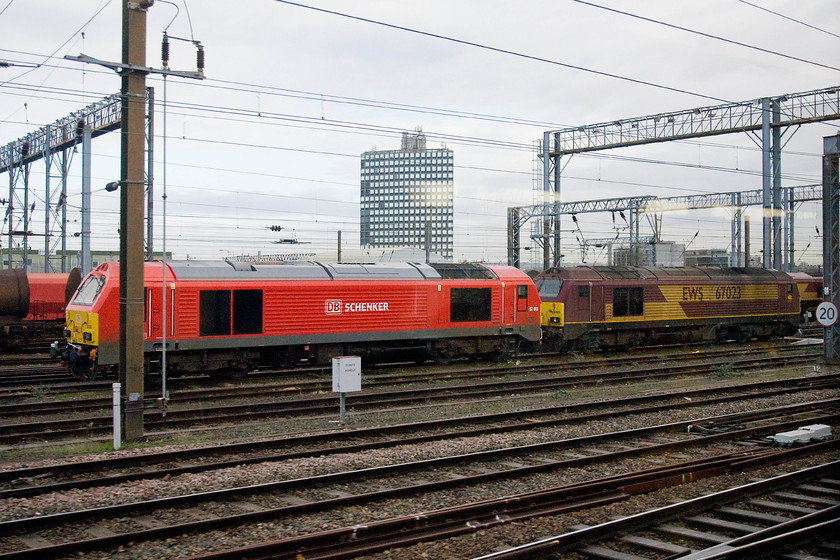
{"points": [[583, 292], [628, 302], [469, 304]]}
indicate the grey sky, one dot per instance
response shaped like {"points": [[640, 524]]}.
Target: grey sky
{"points": [[294, 96]]}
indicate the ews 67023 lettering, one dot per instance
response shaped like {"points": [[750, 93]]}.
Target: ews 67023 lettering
{"points": [[697, 293], [728, 292]]}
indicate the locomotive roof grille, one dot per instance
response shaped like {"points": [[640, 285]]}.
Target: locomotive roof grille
{"points": [[689, 273], [463, 271], [300, 270]]}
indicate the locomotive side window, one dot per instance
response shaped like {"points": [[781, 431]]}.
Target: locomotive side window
{"points": [[247, 311], [583, 292], [88, 291], [214, 312], [522, 298], [628, 302], [469, 304]]}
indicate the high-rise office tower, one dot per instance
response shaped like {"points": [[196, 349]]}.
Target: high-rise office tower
{"points": [[407, 194]]}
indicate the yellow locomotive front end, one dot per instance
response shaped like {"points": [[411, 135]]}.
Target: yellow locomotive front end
{"points": [[82, 334], [82, 327]]}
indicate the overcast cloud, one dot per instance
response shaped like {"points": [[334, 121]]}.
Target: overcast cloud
{"points": [[293, 96]]}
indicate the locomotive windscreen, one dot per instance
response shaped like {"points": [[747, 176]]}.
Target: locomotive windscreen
{"points": [[548, 287], [88, 291]]}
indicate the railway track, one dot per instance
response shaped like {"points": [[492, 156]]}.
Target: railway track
{"points": [[187, 416], [20, 374], [20, 483], [285, 503], [796, 515]]}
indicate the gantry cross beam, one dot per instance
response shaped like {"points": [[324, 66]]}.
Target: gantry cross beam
{"points": [[769, 115]]}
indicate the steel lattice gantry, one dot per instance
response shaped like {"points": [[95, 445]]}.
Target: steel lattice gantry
{"points": [[56, 144], [636, 206], [770, 115]]}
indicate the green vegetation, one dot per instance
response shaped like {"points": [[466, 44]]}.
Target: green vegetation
{"points": [[723, 370], [39, 392]]}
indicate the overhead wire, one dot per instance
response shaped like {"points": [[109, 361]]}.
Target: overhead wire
{"points": [[371, 103], [703, 34], [768, 10], [500, 50], [6, 7], [504, 51], [99, 10]]}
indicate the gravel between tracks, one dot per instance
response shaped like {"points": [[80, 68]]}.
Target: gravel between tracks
{"points": [[463, 547]]}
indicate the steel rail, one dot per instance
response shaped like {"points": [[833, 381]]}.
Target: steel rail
{"points": [[521, 420], [551, 546], [383, 535], [388, 472], [488, 369], [86, 427]]}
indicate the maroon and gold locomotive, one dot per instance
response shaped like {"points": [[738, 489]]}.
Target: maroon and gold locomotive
{"points": [[590, 307]]}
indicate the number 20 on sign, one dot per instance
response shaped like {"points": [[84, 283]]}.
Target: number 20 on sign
{"points": [[827, 314]]}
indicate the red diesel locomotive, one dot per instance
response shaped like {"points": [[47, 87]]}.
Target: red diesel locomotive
{"points": [[590, 307], [226, 318]]}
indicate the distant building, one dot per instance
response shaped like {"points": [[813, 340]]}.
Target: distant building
{"points": [[707, 257], [405, 191], [665, 253], [35, 259]]}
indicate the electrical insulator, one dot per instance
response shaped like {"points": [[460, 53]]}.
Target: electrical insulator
{"points": [[80, 127], [164, 50], [275, 228], [199, 57]]}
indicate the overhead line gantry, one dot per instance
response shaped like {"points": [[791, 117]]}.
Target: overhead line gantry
{"points": [[636, 206], [772, 116], [56, 144]]}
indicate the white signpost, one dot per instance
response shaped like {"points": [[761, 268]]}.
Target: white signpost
{"points": [[827, 314], [346, 378]]}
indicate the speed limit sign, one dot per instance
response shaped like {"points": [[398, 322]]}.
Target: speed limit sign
{"points": [[827, 314]]}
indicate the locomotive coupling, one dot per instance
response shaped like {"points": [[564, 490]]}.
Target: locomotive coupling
{"points": [[69, 352], [55, 350]]}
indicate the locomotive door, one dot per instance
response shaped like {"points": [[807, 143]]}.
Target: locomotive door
{"points": [[596, 302], [514, 300], [154, 314]]}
